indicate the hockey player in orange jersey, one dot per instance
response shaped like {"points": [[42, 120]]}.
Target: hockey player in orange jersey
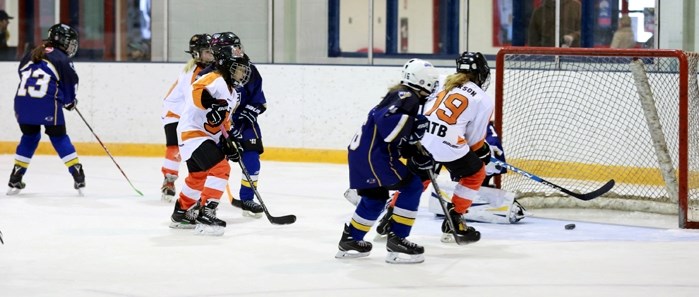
{"points": [[173, 104], [459, 115], [209, 102]]}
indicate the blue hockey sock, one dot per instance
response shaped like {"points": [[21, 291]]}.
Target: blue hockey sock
{"points": [[251, 160], [25, 151], [368, 210], [65, 150], [405, 210]]}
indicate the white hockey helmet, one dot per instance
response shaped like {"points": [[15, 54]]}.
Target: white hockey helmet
{"points": [[420, 75]]}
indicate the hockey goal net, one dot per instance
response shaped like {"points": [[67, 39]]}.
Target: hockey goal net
{"points": [[580, 117]]}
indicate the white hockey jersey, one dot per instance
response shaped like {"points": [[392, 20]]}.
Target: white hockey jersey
{"points": [[193, 128], [173, 104], [458, 121]]}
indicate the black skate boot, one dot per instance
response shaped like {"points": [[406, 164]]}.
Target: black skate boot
{"points": [[207, 222], [184, 219], [411, 253], [16, 184], [350, 248], [78, 176], [168, 188], [467, 234]]}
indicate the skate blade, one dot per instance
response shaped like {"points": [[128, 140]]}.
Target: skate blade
{"points": [[203, 229], [177, 225], [12, 191], [380, 237], [80, 192], [400, 258], [350, 255], [250, 214]]}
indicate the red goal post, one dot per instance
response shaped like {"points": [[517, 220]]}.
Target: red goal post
{"points": [[579, 117]]}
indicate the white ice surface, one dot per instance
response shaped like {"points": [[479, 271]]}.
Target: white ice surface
{"points": [[111, 242]]}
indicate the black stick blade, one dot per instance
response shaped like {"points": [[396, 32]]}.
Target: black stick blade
{"points": [[283, 220], [594, 194]]}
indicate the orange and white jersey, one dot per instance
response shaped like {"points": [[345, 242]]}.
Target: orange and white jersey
{"points": [[173, 104], [458, 121], [193, 128]]}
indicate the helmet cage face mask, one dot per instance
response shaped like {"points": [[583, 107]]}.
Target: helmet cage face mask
{"points": [[240, 72], [420, 75], [474, 63]]}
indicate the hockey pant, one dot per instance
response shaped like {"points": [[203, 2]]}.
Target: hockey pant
{"points": [[208, 175]]}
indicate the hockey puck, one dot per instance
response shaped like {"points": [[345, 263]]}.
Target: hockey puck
{"points": [[570, 226]]}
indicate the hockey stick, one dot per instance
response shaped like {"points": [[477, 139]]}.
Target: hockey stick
{"points": [[283, 220], [458, 238], [585, 197], [106, 150]]}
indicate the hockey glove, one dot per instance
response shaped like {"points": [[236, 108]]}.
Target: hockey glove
{"points": [[237, 130], [71, 106], [230, 149], [484, 153], [250, 112], [217, 114], [420, 126]]}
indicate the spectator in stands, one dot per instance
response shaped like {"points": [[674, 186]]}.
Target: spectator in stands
{"points": [[4, 33], [624, 37], [542, 25]]}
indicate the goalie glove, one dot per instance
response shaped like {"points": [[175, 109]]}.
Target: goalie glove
{"points": [[217, 114]]}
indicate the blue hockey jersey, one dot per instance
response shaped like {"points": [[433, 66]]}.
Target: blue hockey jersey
{"points": [[373, 154], [44, 88]]}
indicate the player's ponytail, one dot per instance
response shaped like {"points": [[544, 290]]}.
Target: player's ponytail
{"points": [[39, 52], [456, 80]]}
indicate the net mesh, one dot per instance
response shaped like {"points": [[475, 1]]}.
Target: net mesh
{"points": [[577, 121]]}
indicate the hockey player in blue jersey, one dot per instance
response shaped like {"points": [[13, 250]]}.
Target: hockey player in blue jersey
{"points": [[392, 130], [48, 83], [245, 127]]}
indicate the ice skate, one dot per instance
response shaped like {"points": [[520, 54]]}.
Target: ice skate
{"points": [[168, 188], [15, 184], [402, 251], [468, 234], [78, 177], [251, 209], [350, 248], [184, 219], [207, 223]]}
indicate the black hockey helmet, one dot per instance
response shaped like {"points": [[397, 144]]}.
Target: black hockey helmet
{"points": [[197, 43], [233, 65], [219, 40], [65, 38], [474, 63]]}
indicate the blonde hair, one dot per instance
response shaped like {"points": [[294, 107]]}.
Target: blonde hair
{"points": [[395, 87], [190, 64], [456, 80]]}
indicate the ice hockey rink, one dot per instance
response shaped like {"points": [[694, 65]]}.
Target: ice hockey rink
{"points": [[112, 242]]}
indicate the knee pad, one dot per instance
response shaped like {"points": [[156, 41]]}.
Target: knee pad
{"points": [[55, 131]]}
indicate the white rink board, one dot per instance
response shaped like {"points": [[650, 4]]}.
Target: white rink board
{"points": [[309, 106]]}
